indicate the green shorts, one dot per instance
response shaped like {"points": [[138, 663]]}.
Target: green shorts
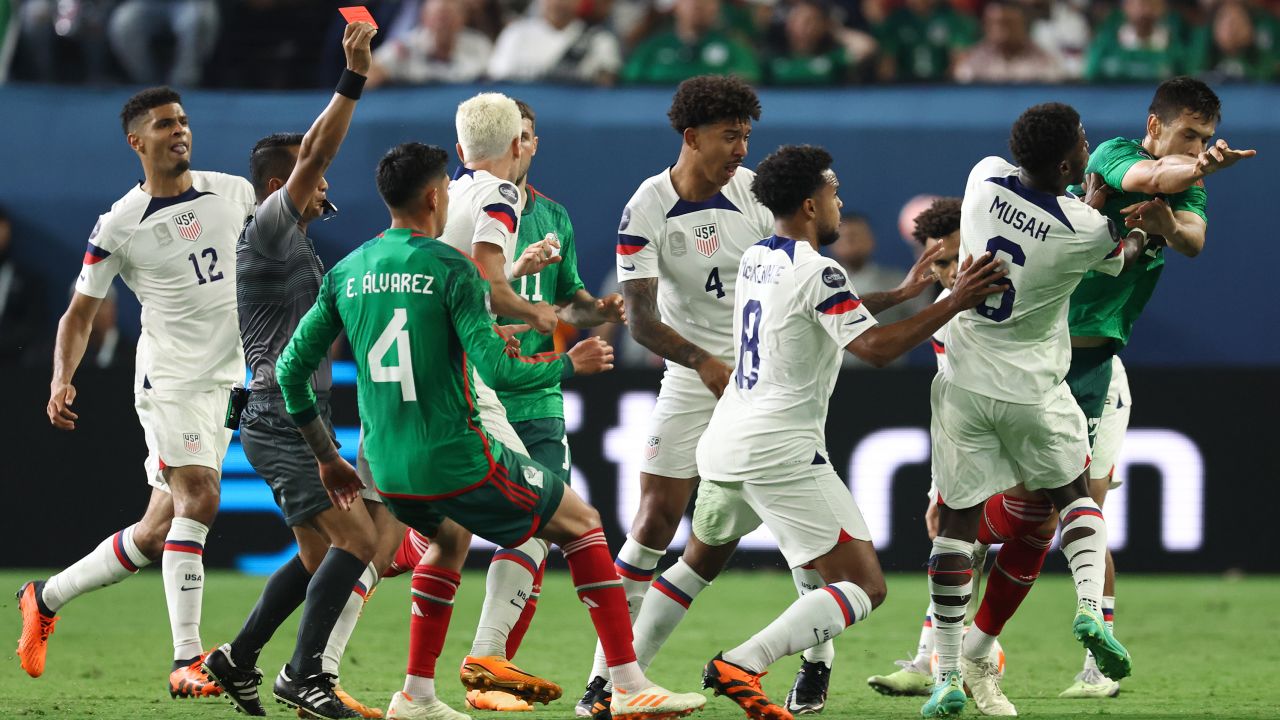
{"points": [[516, 500], [546, 441], [1089, 378]]}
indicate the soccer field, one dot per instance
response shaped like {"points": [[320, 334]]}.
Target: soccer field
{"points": [[1202, 647]]}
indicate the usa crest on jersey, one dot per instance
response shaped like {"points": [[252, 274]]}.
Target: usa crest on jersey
{"points": [[706, 239], [188, 225], [651, 447], [192, 442]]}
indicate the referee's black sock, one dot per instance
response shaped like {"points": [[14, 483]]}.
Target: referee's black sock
{"points": [[284, 592], [326, 597]]}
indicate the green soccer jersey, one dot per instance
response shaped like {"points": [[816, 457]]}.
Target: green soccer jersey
{"points": [[1105, 306], [556, 283], [416, 315]]}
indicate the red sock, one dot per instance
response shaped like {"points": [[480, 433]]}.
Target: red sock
{"points": [[432, 596], [600, 589], [526, 616], [1005, 517], [1016, 568], [411, 550]]}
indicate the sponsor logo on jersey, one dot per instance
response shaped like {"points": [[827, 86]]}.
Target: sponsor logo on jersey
{"points": [[626, 219], [679, 246], [192, 442], [706, 239], [533, 476], [651, 447], [833, 278], [509, 193], [628, 268], [188, 225]]}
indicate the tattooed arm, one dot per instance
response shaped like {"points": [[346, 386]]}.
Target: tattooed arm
{"points": [[649, 330]]}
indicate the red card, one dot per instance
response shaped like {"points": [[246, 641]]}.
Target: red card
{"points": [[358, 13]]}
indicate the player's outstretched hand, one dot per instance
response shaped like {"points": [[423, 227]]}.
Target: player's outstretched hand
{"points": [[715, 375], [341, 482], [59, 408], [356, 40], [977, 279], [1220, 156], [612, 308], [1154, 217], [544, 318], [1096, 191], [591, 356], [508, 333], [921, 274], [537, 256]]}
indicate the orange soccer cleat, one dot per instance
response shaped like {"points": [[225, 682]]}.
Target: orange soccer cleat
{"points": [[494, 672], [742, 687], [190, 681], [364, 710], [36, 629], [497, 701]]}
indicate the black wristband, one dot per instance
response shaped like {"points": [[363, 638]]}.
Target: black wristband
{"points": [[350, 84]]}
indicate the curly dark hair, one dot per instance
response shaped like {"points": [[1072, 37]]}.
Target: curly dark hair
{"points": [[271, 158], [1185, 93], [789, 176], [406, 169], [1043, 136], [138, 105], [938, 220], [707, 99]]}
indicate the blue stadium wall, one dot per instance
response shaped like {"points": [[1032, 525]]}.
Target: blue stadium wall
{"points": [[65, 161]]}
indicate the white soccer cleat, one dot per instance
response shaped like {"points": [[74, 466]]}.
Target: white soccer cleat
{"points": [[654, 703], [1092, 684], [403, 707], [982, 677]]}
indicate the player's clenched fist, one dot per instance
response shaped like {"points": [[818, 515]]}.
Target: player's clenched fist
{"points": [[59, 408], [355, 43], [715, 375], [978, 279], [591, 356], [544, 318]]}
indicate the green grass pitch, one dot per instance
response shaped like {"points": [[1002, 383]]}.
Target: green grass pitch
{"points": [[1203, 646]]}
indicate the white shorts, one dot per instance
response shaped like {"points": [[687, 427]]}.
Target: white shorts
{"points": [[493, 416], [983, 446], [809, 513], [1113, 426], [182, 427], [679, 418]]}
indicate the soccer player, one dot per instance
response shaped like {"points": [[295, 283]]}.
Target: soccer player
{"points": [[537, 416], [277, 282], [173, 240], [681, 237], [763, 456], [433, 460], [1001, 410]]}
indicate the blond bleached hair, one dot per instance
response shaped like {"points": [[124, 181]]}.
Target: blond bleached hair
{"points": [[486, 124]]}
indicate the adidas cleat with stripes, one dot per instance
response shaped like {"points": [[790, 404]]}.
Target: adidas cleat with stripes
{"points": [[595, 700], [240, 685], [743, 687], [494, 672], [313, 695], [1112, 658], [654, 703]]}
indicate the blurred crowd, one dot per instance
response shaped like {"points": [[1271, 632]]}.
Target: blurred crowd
{"points": [[292, 43]]}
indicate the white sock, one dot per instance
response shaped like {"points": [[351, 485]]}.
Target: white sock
{"points": [[331, 660], [977, 644], [1108, 619], [419, 689], [629, 677], [115, 559], [949, 601], [635, 565], [924, 648], [815, 617], [807, 580], [183, 569], [1087, 555], [507, 587], [664, 607]]}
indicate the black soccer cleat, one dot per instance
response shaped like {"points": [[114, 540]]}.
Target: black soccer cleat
{"points": [[240, 685], [311, 695], [595, 701], [808, 695]]}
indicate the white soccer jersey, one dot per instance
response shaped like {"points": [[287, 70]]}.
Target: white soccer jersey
{"points": [[482, 208], [939, 339], [178, 255], [693, 248], [1015, 346], [794, 313]]}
